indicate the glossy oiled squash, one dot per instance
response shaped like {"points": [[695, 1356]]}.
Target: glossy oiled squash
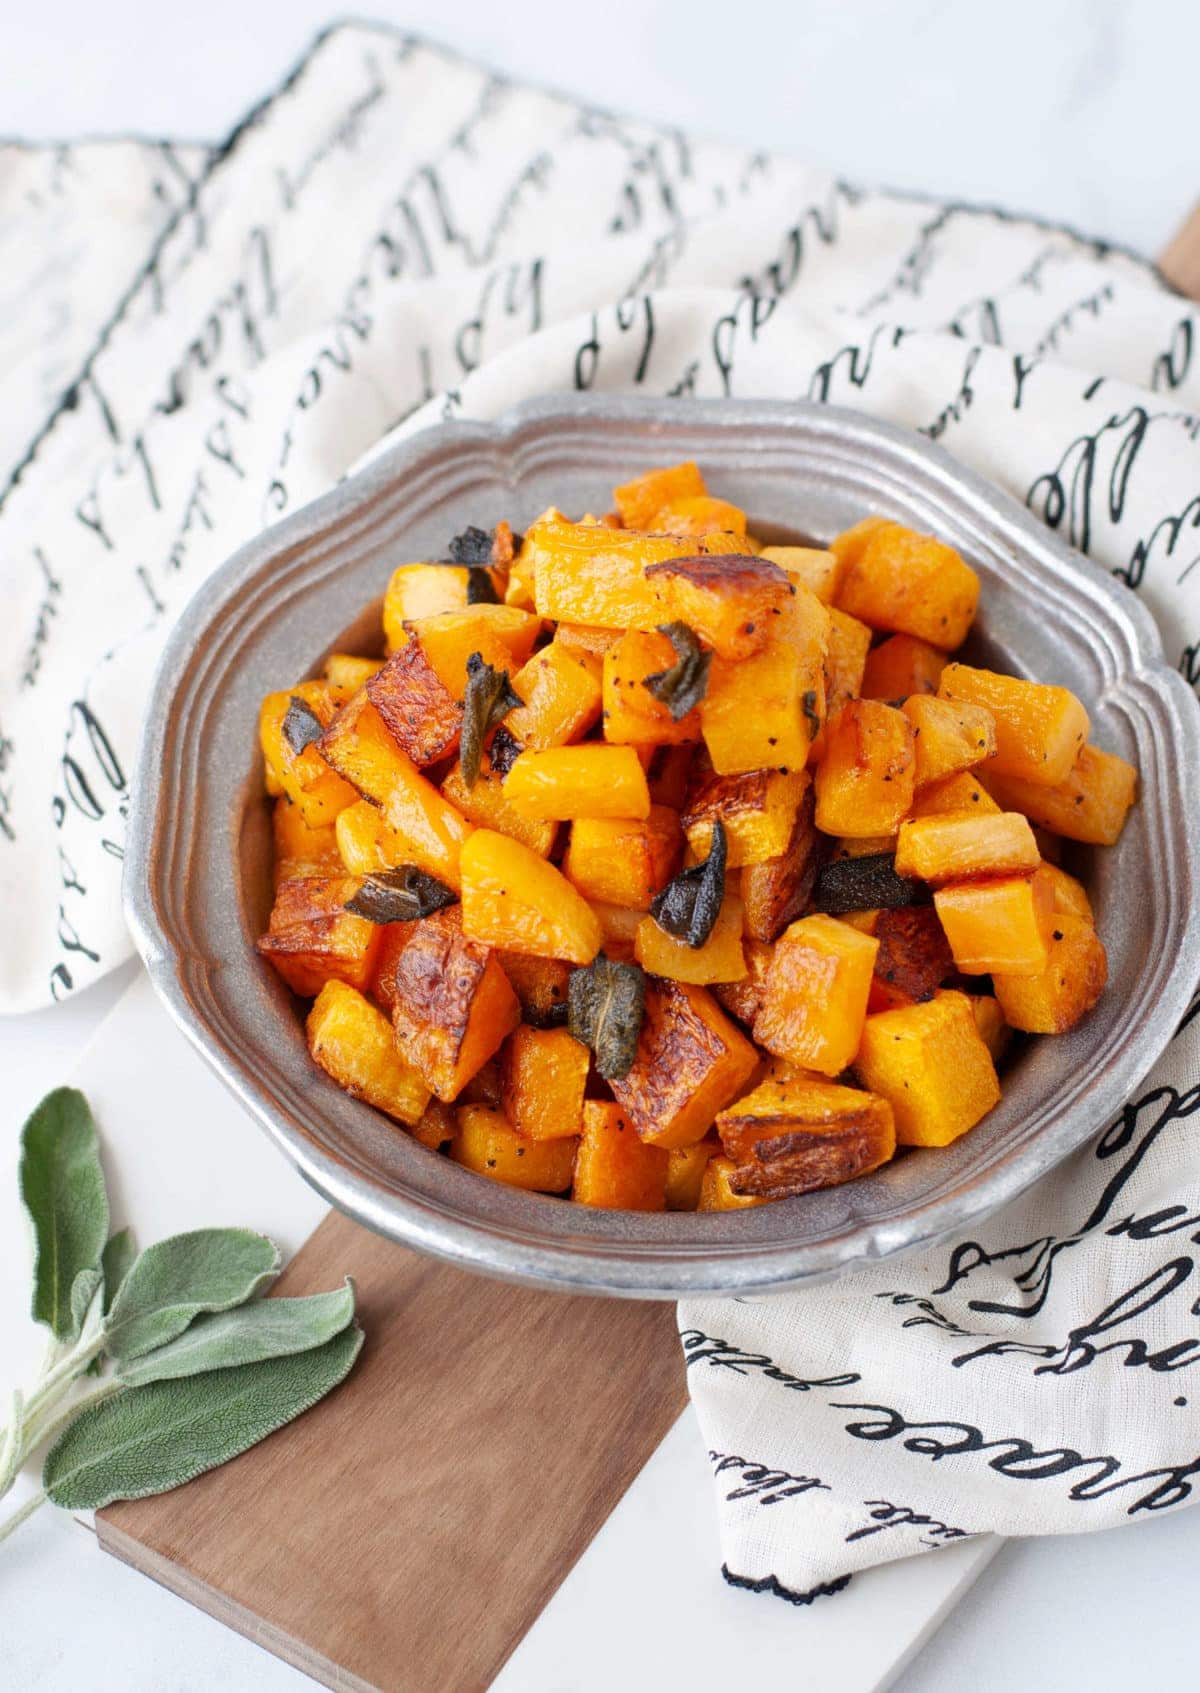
{"points": [[777, 891], [911, 584], [1068, 893], [560, 783], [514, 899], [312, 939], [901, 666], [561, 690], [352, 1042], [484, 805], [365, 843], [997, 925], [797, 1135], [766, 710], [300, 849], [421, 713], [930, 1062], [814, 568], [587, 573], [303, 777], [1040, 730], [1068, 986], [632, 714], [720, 959], [865, 780], [846, 659], [615, 1168], [425, 590], [699, 515], [685, 1172], [729, 600], [488, 1144], [716, 1189], [949, 736], [952, 845], [640, 500], [691, 1060], [347, 673], [757, 810], [452, 1004], [540, 984], [1090, 804], [543, 1073], [964, 792], [624, 861], [814, 996], [989, 1020]]}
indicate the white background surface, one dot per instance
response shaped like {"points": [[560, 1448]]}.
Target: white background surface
{"points": [[1082, 110]]}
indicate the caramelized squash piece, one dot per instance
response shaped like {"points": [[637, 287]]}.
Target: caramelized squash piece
{"points": [[624, 861], [720, 959], [422, 715], [914, 957], [561, 783], [300, 849], [757, 808], [346, 673], [743, 998], [615, 1168], [691, 1061], [489, 1145], [765, 710], [632, 714], [485, 806], [640, 500], [437, 1127], [796, 1136], [312, 939], [425, 590], [865, 781], [304, 777], [964, 792], [513, 899], [812, 567], [540, 984], [929, 1061], [561, 690], [728, 600], [911, 584], [365, 843], [900, 667], [776, 892], [1040, 730], [587, 573], [953, 845], [352, 1042], [1090, 804], [949, 736], [999, 925], [1066, 988], [394, 938], [543, 1073], [716, 1189], [814, 997], [452, 1004], [685, 1173]]}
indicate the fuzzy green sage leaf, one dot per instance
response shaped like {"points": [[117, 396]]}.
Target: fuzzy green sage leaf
{"points": [[606, 1001], [116, 1261], [62, 1186], [176, 1279], [149, 1439], [488, 699], [266, 1328]]}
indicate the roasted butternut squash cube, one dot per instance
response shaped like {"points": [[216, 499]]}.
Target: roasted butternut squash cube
{"points": [[729, 600], [361, 748], [949, 735], [997, 925], [615, 1168], [421, 713], [685, 1173], [513, 899], [561, 690], [632, 715], [394, 938], [691, 1061], [543, 1073], [490, 1146], [1040, 730], [865, 781], [503, 634], [437, 1126], [964, 792], [743, 998], [900, 667], [452, 1004], [849, 546], [1068, 893], [929, 1061], [587, 573], [1090, 804], [914, 957], [540, 984], [485, 806], [304, 777], [587, 638], [668, 775], [757, 809], [846, 659], [952, 845], [989, 1020], [911, 584], [716, 1189], [425, 590], [300, 849], [312, 939], [814, 997], [640, 500], [816, 569], [796, 1136], [624, 861], [766, 710], [619, 925], [346, 673], [352, 1042], [561, 783], [1072, 980], [365, 843], [720, 959], [698, 515], [776, 892]]}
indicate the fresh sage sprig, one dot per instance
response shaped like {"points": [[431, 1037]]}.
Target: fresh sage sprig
{"points": [[161, 1364]]}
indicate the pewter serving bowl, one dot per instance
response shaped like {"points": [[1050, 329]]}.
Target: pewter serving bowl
{"points": [[198, 872]]}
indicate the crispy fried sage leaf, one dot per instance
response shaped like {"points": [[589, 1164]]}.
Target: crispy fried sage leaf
{"points": [[682, 686], [863, 884], [688, 906], [62, 1186], [301, 725], [400, 896], [504, 751], [488, 698], [481, 590], [473, 546], [605, 1003]]}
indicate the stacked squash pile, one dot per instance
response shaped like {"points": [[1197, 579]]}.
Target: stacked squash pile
{"points": [[669, 869]]}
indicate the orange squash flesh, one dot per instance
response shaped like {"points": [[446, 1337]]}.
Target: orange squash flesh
{"points": [[311, 939], [512, 898], [949, 736], [352, 1042], [685, 1173], [488, 1144], [543, 1073], [998, 925], [729, 601], [964, 792], [452, 1003], [562, 783], [766, 710], [587, 573], [425, 590], [815, 994], [757, 810], [930, 1063], [561, 691], [901, 666], [716, 1188], [301, 849], [632, 715], [865, 781], [699, 515], [624, 861], [305, 777], [910, 584], [1074, 977], [812, 567], [1040, 730], [691, 1060], [346, 673], [641, 499], [789, 1137], [952, 845], [1090, 804], [720, 959], [615, 1168], [539, 983], [485, 806]]}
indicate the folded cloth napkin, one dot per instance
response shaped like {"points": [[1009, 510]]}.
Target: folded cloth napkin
{"points": [[197, 341]]}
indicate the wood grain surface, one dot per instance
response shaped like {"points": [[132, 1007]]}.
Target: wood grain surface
{"points": [[405, 1533]]}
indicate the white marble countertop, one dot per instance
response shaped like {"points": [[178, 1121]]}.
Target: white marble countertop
{"points": [[1073, 109]]}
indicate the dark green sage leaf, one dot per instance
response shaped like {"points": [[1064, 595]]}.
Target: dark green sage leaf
{"points": [[400, 896], [149, 1439], [862, 884], [481, 590], [605, 1004], [473, 546], [489, 697], [682, 686], [62, 1186], [116, 1261], [301, 725], [809, 703], [176, 1279], [267, 1328], [689, 904], [86, 1286]]}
